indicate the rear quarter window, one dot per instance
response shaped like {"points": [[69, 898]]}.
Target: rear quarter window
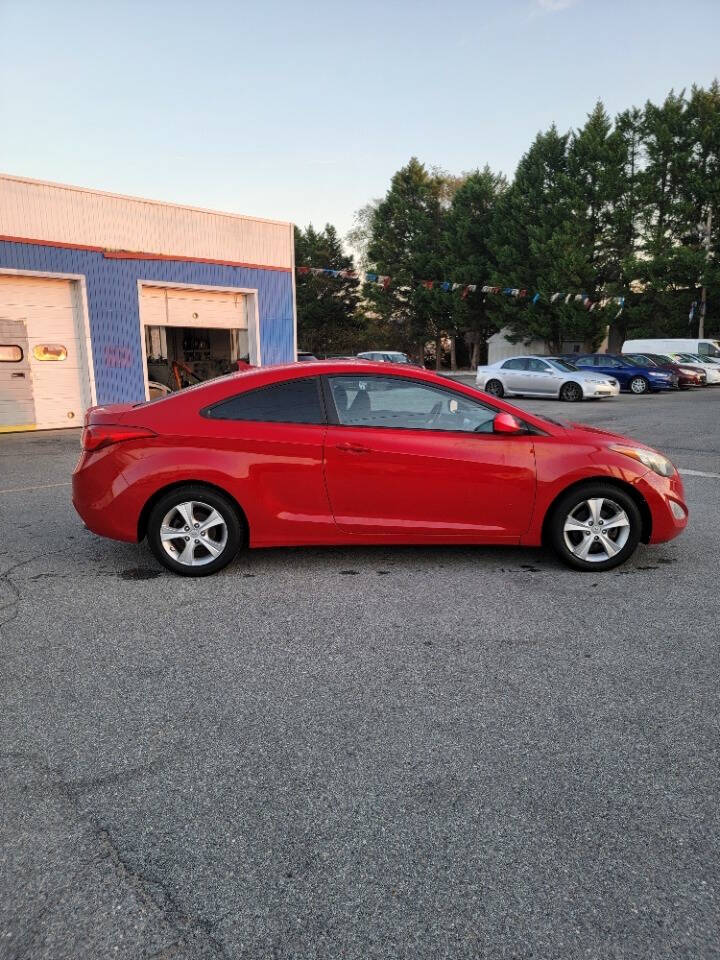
{"points": [[292, 401]]}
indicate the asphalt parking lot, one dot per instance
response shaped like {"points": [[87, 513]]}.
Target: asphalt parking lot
{"points": [[376, 753]]}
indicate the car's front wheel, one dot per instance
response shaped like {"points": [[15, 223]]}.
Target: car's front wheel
{"points": [[194, 531], [639, 385], [595, 527], [571, 392]]}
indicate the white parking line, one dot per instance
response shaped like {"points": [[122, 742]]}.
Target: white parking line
{"points": [[698, 473], [41, 486]]}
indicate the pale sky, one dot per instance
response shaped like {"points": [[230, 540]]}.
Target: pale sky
{"points": [[303, 112]]}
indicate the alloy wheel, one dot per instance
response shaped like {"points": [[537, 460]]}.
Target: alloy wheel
{"points": [[494, 387], [193, 533], [596, 529], [639, 385], [571, 392]]}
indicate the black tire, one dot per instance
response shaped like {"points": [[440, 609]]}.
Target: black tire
{"points": [[571, 392], [234, 527], [639, 386], [494, 388], [574, 500]]}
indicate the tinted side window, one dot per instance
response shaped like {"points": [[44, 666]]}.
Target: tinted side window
{"points": [[538, 366], [407, 405], [294, 401], [584, 361], [519, 363]]}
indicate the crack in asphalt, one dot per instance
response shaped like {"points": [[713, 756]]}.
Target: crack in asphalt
{"points": [[153, 892]]}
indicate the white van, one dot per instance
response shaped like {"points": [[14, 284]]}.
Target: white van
{"points": [[705, 346]]}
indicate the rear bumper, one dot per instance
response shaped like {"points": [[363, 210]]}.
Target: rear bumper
{"points": [[101, 497]]}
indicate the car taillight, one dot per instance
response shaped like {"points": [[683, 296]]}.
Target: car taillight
{"points": [[102, 435]]}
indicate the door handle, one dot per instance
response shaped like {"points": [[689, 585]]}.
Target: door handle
{"points": [[351, 448]]}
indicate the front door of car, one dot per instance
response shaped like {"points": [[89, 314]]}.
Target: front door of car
{"points": [[412, 460], [542, 377]]}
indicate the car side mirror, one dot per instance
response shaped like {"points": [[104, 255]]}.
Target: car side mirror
{"points": [[507, 423]]}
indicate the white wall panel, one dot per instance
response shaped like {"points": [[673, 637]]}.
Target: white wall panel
{"points": [[40, 211]]}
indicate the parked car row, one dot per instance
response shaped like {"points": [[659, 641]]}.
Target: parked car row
{"points": [[572, 377]]}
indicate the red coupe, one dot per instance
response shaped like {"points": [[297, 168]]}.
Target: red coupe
{"points": [[352, 452]]}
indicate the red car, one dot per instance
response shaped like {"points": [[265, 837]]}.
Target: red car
{"points": [[353, 452]]}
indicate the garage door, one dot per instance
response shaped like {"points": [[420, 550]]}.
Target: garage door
{"points": [[49, 386], [177, 307]]}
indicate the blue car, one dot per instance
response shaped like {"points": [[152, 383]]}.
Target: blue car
{"points": [[632, 375]]}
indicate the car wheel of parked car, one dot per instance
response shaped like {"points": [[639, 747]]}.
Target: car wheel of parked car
{"points": [[495, 388], [639, 385], [595, 527], [194, 531], [571, 392]]}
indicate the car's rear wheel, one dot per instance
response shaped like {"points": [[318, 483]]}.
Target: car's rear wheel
{"points": [[595, 527], [639, 385], [571, 392], [194, 531], [495, 388]]}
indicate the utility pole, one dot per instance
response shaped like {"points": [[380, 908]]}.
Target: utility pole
{"points": [[707, 230]]}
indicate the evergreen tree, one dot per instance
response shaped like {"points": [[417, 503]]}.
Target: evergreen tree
{"points": [[538, 244], [665, 268], [624, 217], [406, 243], [469, 257], [327, 307]]}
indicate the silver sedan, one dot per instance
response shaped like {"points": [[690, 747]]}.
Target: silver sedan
{"points": [[544, 377]]}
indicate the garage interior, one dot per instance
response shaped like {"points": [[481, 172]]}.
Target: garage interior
{"points": [[193, 335], [179, 356]]}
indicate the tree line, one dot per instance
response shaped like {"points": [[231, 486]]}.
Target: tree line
{"points": [[620, 207]]}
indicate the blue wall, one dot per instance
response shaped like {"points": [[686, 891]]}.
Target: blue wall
{"points": [[115, 312]]}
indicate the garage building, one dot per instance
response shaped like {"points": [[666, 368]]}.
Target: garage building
{"points": [[101, 295]]}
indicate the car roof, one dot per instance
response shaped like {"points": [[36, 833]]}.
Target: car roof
{"points": [[163, 410]]}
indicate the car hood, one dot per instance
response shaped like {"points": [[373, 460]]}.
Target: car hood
{"points": [[595, 434], [588, 375]]}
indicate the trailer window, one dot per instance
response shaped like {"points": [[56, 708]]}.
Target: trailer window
{"points": [[708, 350], [10, 353]]}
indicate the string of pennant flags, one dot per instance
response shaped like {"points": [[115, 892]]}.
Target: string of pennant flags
{"points": [[467, 288]]}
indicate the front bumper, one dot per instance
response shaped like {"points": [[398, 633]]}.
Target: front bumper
{"points": [[671, 384], [593, 390], [665, 496]]}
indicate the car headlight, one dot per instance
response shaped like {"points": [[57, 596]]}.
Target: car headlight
{"points": [[597, 380], [649, 458]]}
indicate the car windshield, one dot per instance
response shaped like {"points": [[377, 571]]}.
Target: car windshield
{"points": [[562, 365], [641, 360]]}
